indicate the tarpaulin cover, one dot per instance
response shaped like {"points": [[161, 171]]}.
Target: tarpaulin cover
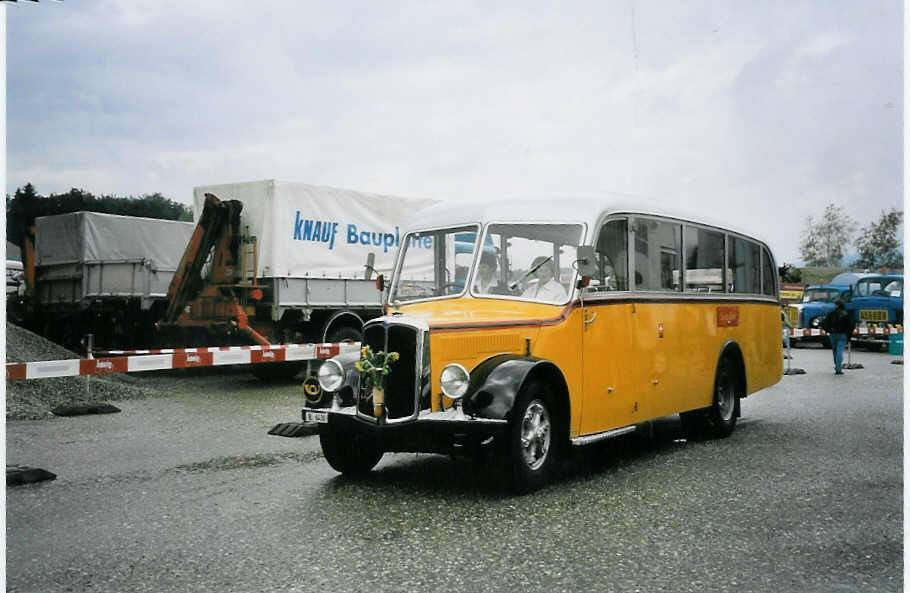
{"points": [[88, 237], [313, 231]]}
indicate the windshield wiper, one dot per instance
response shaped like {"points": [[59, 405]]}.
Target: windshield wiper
{"points": [[515, 284]]}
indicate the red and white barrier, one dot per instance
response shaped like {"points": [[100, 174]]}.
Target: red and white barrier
{"points": [[860, 331], [176, 358]]}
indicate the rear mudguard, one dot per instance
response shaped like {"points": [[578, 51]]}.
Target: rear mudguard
{"points": [[497, 381]]}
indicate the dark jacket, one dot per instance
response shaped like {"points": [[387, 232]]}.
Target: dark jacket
{"points": [[838, 321]]}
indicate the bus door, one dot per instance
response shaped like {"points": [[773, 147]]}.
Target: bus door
{"points": [[608, 354]]}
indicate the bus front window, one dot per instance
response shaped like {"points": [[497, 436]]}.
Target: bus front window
{"points": [[434, 264], [530, 261]]}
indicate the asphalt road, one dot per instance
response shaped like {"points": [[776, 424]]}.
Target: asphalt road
{"points": [[188, 493]]}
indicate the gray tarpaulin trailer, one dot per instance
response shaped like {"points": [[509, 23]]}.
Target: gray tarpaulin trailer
{"points": [[88, 262]]}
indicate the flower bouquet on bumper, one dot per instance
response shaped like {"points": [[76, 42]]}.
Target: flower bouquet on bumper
{"points": [[374, 366]]}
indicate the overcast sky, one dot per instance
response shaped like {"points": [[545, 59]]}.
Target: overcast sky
{"points": [[755, 112]]}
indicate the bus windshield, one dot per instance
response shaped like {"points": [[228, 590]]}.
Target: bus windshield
{"points": [[435, 263], [528, 261]]}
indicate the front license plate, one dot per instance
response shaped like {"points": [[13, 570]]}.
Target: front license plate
{"points": [[321, 417], [873, 315]]}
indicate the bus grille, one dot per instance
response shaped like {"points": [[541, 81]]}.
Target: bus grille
{"points": [[402, 384]]}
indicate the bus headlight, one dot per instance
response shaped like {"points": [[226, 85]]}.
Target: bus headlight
{"points": [[331, 375], [815, 322], [454, 381]]}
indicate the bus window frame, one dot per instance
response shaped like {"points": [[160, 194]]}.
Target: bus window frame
{"points": [[630, 217]]}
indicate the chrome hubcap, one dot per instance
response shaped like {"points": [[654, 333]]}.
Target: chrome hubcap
{"points": [[535, 435]]}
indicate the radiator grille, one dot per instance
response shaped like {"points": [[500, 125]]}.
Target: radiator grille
{"points": [[401, 385]]}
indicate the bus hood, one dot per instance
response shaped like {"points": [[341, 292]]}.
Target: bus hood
{"points": [[470, 312]]}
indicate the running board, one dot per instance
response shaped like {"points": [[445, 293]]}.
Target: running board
{"points": [[599, 436], [294, 429]]}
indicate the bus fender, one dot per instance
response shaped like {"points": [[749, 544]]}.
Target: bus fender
{"points": [[496, 382], [732, 352]]}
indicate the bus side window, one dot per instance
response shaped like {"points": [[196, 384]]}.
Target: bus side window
{"points": [[612, 255], [704, 260], [769, 276], [744, 266], [657, 255]]}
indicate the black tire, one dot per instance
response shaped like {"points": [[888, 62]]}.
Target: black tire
{"points": [[724, 408], [352, 453], [719, 419], [533, 443], [343, 333]]}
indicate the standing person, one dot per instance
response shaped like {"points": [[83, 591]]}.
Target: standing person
{"points": [[786, 326], [839, 325]]}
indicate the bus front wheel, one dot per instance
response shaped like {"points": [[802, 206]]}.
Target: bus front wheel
{"points": [[350, 453], [532, 442]]}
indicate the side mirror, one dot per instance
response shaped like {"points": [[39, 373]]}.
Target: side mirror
{"points": [[585, 261], [380, 283]]}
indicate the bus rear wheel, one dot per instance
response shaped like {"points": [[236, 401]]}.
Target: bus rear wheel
{"points": [[719, 419]]}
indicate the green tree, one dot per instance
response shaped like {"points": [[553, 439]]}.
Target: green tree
{"points": [[26, 205], [788, 273], [878, 243], [822, 243]]}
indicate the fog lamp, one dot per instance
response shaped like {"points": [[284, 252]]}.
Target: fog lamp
{"points": [[454, 381], [331, 375]]}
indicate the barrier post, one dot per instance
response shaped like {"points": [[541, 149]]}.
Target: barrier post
{"points": [[850, 364], [788, 370], [89, 345]]}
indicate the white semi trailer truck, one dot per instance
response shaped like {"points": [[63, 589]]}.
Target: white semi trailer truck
{"points": [[274, 262]]}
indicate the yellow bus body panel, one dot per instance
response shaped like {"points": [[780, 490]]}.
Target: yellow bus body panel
{"points": [[635, 360]]}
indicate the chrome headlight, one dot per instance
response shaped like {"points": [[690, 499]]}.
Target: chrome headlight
{"points": [[815, 322], [331, 375], [454, 381]]}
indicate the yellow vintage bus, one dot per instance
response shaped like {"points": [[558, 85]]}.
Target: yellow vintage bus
{"points": [[528, 328]]}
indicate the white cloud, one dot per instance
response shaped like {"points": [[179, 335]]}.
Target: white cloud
{"points": [[774, 108]]}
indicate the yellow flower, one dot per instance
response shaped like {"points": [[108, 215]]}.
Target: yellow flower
{"points": [[359, 366]]}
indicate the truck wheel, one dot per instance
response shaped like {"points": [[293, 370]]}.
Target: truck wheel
{"points": [[343, 333], [532, 443], [352, 453]]}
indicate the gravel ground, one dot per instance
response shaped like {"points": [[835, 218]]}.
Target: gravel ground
{"points": [[33, 400], [186, 492]]}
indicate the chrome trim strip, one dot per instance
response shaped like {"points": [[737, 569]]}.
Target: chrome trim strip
{"points": [[693, 297], [457, 415], [599, 436], [449, 415]]}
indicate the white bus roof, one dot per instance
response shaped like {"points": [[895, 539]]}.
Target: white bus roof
{"points": [[556, 209]]}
